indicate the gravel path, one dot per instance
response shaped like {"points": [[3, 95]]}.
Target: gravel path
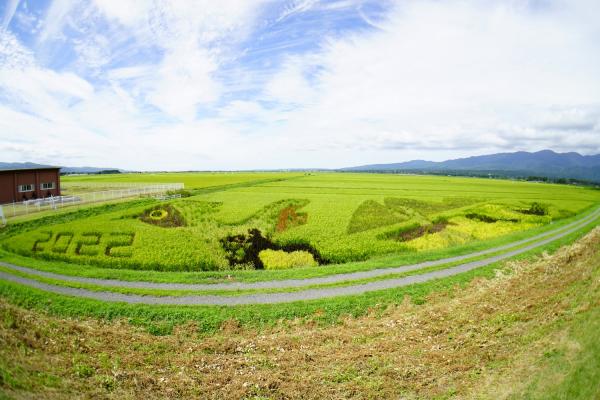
{"points": [[310, 294], [287, 283]]}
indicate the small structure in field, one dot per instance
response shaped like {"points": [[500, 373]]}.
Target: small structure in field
{"points": [[29, 183]]}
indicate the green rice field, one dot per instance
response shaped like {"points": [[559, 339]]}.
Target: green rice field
{"points": [[235, 222]]}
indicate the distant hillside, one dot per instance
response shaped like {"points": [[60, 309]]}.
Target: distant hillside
{"points": [[23, 165], [87, 170], [64, 170], [544, 163]]}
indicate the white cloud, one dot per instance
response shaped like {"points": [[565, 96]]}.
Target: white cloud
{"points": [[295, 7], [290, 84], [432, 80], [189, 32], [43, 92], [129, 13], [93, 50], [11, 7], [139, 71], [568, 119], [55, 18], [466, 76], [12, 54], [183, 81], [164, 22]]}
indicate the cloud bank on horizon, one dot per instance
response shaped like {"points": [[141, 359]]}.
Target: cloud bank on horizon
{"points": [[242, 84]]}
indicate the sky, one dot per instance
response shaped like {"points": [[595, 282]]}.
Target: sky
{"points": [[266, 84]]}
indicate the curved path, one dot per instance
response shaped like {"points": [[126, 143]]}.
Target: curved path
{"points": [[310, 294], [290, 283]]}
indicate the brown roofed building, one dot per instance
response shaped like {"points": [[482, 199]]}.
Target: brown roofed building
{"points": [[29, 183]]}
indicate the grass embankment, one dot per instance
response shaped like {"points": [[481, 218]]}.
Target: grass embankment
{"points": [[528, 332]]}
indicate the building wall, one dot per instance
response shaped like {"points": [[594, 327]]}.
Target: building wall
{"points": [[7, 185], [10, 181], [46, 177]]}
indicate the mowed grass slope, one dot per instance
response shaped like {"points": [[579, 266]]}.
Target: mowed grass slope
{"points": [[329, 218], [527, 332]]}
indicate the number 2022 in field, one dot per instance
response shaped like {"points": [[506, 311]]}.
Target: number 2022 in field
{"points": [[116, 244]]}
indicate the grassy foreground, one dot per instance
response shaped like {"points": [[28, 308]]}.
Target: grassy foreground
{"points": [[529, 331]]}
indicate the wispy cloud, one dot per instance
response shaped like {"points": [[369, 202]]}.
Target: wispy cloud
{"points": [[296, 7], [56, 17], [9, 12], [263, 84]]}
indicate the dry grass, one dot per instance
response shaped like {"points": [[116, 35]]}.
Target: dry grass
{"points": [[473, 342]]}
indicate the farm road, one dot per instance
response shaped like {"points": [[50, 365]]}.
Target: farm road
{"points": [[311, 294]]}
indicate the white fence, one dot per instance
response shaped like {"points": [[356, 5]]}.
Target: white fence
{"points": [[53, 203]]}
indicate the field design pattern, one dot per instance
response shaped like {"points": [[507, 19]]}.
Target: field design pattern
{"points": [[311, 294], [290, 238]]}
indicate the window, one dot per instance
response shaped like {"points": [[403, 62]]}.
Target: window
{"points": [[49, 185], [26, 188]]}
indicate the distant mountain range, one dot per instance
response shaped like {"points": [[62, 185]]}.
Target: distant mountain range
{"points": [[23, 165], [64, 170], [545, 163]]}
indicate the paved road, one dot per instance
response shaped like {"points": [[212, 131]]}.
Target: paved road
{"points": [[287, 283], [310, 294]]}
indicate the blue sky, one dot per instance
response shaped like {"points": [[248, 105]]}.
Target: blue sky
{"points": [[180, 85]]}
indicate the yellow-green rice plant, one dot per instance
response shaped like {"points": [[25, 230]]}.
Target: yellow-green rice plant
{"points": [[279, 259]]}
